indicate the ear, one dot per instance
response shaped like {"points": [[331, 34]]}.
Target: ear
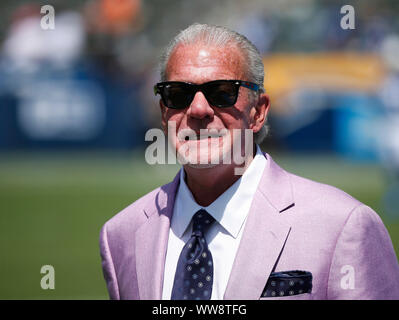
{"points": [[260, 111]]}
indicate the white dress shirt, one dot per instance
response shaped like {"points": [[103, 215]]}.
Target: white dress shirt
{"points": [[230, 211]]}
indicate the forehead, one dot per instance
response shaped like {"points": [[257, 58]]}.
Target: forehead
{"points": [[200, 63]]}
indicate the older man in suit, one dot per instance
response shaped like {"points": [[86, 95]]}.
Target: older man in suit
{"points": [[214, 234]]}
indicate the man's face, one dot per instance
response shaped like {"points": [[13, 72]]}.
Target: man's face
{"points": [[198, 64]]}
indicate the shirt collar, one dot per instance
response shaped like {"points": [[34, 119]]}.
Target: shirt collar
{"points": [[231, 208]]}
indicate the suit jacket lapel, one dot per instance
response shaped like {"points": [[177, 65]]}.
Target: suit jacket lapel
{"points": [[152, 240], [265, 234]]}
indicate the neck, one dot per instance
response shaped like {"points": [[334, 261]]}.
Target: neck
{"points": [[207, 184]]}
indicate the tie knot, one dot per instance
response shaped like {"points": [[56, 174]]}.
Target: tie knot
{"points": [[202, 220]]}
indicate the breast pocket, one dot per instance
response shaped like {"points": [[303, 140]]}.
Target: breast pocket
{"points": [[288, 285]]}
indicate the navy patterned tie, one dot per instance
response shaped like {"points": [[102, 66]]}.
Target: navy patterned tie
{"points": [[194, 272]]}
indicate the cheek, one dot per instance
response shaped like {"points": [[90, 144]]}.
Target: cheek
{"points": [[238, 117], [232, 120], [248, 113], [245, 109], [173, 115]]}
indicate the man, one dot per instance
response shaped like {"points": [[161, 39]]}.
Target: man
{"points": [[216, 234]]}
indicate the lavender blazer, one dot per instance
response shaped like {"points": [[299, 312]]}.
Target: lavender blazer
{"points": [[293, 224]]}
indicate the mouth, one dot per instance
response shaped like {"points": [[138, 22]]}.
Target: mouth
{"points": [[203, 134]]}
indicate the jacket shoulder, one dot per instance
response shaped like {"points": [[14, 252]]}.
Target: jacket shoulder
{"points": [[323, 199], [305, 187]]}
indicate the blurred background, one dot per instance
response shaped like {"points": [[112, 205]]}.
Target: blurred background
{"points": [[76, 101]]}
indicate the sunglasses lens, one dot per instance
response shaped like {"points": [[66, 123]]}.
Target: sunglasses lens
{"points": [[221, 94], [177, 96]]}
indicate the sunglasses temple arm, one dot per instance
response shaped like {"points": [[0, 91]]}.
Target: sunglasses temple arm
{"points": [[250, 85]]}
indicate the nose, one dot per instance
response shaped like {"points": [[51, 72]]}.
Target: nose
{"points": [[200, 108]]}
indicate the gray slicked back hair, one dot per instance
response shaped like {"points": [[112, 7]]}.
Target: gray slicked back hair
{"points": [[219, 36]]}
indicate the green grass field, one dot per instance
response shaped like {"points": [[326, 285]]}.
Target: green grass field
{"points": [[52, 206]]}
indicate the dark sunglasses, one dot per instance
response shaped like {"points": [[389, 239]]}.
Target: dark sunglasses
{"points": [[219, 93]]}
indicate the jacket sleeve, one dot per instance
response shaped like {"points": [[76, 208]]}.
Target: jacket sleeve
{"points": [[108, 266], [364, 264]]}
